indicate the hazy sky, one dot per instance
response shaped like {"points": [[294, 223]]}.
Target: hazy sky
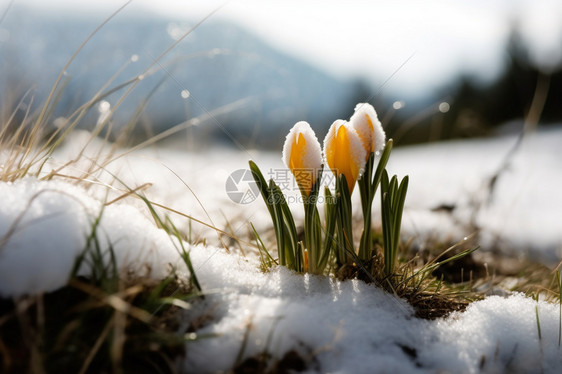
{"points": [[373, 39]]}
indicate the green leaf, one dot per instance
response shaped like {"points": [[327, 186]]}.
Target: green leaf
{"points": [[260, 182], [283, 223], [393, 197], [401, 198], [185, 255], [366, 204], [344, 228], [278, 223], [288, 231], [381, 167], [330, 219]]}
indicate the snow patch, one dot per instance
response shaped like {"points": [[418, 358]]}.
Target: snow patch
{"points": [[352, 327], [44, 226], [340, 327]]}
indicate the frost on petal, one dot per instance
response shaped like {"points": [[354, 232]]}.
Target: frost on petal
{"points": [[344, 151], [366, 122], [308, 149], [302, 154]]}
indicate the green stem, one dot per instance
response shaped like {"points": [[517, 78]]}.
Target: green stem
{"points": [[309, 236], [368, 185], [345, 252], [393, 197], [366, 203], [312, 228]]}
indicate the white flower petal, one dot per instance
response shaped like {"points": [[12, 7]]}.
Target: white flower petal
{"points": [[312, 157], [375, 137]]}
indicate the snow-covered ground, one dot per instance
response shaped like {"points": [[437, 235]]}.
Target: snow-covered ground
{"points": [[344, 327], [522, 215]]}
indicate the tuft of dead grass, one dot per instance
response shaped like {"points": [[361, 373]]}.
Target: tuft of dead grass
{"points": [[83, 328]]}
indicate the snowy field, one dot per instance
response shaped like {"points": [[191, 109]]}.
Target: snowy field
{"points": [[341, 327]]}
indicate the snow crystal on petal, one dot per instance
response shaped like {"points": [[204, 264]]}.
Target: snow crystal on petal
{"points": [[366, 122], [356, 151], [312, 157], [328, 141]]}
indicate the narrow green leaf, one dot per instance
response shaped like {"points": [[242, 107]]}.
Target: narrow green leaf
{"points": [[401, 198], [381, 167], [260, 180], [330, 219], [185, 256], [278, 223]]}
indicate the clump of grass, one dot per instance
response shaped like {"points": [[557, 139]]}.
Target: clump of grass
{"points": [[414, 281], [266, 260], [105, 319], [393, 196], [86, 328]]}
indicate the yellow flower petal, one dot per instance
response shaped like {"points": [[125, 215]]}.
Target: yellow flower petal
{"points": [[344, 152], [297, 152], [303, 156]]}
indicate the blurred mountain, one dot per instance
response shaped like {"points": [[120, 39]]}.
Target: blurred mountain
{"points": [[214, 66], [220, 64]]}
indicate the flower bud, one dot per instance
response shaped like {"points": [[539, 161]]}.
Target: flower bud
{"points": [[369, 128], [303, 156], [344, 152]]}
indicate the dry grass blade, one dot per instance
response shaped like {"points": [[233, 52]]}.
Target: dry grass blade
{"points": [[246, 243], [41, 117], [201, 205], [129, 193], [116, 301], [95, 348]]}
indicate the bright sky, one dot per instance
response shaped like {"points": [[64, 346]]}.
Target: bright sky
{"points": [[374, 39]]}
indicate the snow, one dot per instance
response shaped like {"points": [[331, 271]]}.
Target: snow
{"points": [[44, 226], [313, 313], [523, 214], [342, 327], [351, 327], [31, 257], [504, 331]]}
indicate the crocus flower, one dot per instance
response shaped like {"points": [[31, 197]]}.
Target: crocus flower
{"points": [[303, 156], [369, 128], [344, 152]]}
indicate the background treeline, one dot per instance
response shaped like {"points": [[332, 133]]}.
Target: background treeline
{"points": [[483, 109]]}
